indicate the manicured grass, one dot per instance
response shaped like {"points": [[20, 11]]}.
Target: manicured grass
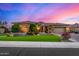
{"points": [[40, 38]]}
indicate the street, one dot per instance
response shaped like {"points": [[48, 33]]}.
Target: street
{"points": [[25, 51]]}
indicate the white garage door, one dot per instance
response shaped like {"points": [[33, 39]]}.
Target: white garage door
{"points": [[59, 30]]}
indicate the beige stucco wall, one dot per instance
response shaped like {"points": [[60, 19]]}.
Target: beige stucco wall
{"points": [[24, 28]]}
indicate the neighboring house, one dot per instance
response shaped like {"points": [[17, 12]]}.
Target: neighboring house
{"points": [[75, 27], [2, 29]]}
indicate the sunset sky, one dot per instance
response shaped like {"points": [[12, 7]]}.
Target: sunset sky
{"points": [[43, 12]]}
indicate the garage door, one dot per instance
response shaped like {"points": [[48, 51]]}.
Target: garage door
{"points": [[59, 30]]}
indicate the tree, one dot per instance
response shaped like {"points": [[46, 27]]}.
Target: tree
{"points": [[0, 22], [15, 28], [3, 22], [33, 28]]}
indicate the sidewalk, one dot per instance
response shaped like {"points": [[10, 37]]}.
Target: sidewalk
{"points": [[39, 44]]}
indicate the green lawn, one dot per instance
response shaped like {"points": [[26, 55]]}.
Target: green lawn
{"points": [[40, 38]]}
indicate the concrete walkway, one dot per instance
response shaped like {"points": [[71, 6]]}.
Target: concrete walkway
{"points": [[39, 44]]}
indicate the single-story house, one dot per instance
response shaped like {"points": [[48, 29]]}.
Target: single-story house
{"points": [[44, 27]]}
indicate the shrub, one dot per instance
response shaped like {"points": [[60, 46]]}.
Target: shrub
{"points": [[9, 35]]}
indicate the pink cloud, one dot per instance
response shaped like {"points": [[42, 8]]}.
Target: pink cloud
{"points": [[22, 18]]}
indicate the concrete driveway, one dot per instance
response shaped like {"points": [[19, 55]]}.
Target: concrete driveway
{"points": [[74, 37]]}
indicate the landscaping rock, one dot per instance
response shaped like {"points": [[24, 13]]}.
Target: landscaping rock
{"points": [[19, 34], [9, 35], [42, 33]]}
